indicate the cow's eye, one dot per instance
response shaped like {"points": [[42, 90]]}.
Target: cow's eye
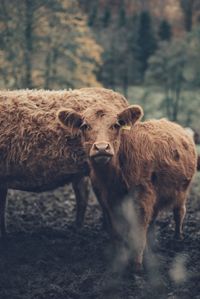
{"points": [[85, 127], [116, 126]]}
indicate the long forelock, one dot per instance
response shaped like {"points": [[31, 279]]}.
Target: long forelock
{"points": [[100, 112]]}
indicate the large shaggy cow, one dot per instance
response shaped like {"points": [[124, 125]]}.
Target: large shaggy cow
{"points": [[152, 161], [36, 152]]}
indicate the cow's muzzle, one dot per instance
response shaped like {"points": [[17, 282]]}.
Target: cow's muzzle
{"points": [[101, 152]]}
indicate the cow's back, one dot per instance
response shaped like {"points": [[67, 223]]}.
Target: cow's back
{"points": [[77, 99], [35, 150]]}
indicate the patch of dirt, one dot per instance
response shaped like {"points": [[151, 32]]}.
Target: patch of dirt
{"points": [[46, 257]]}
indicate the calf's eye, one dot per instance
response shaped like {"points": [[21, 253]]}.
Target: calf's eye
{"points": [[116, 126]]}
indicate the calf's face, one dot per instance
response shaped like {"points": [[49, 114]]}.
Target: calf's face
{"points": [[100, 129]]}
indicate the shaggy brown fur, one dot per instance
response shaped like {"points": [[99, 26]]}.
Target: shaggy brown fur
{"points": [[154, 162], [36, 152]]}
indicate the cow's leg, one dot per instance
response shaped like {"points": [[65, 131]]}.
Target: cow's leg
{"points": [[179, 215], [81, 189], [3, 194]]}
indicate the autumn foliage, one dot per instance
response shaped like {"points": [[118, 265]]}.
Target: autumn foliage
{"points": [[46, 44]]}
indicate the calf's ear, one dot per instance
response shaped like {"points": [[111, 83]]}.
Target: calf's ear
{"points": [[70, 118], [130, 115]]}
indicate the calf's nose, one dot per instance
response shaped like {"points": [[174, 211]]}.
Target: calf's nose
{"points": [[101, 146]]}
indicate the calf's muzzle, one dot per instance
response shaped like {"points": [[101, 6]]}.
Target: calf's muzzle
{"points": [[101, 152], [101, 147]]}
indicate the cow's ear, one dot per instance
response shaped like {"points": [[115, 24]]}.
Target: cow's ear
{"points": [[70, 118], [130, 115]]}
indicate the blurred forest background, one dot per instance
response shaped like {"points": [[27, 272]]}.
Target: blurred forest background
{"points": [[147, 49]]}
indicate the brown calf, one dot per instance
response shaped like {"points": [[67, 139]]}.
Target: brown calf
{"points": [[153, 162], [36, 152]]}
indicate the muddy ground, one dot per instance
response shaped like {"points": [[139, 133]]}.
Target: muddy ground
{"points": [[46, 257]]}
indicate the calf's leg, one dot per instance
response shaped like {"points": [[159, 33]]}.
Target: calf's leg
{"points": [[143, 202], [3, 194], [81, 189], [179, 215], [151, 235], [103, 199]]}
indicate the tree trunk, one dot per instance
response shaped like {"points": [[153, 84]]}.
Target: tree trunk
{"points": [[176, 104], [188, 10], [168, 102], [125, 84], [47, 70], [28, 43]]}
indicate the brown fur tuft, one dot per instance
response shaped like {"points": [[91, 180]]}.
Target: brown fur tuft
{"points": [[100, 113]]}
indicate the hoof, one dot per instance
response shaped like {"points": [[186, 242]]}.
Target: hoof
{"points": [[78, 223], [138, 267], [178, 237]]}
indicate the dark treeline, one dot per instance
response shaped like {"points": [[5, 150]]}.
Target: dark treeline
{"points": [[149, 42], [128, 41], [130, 36]]}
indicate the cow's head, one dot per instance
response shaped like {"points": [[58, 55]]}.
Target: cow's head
{"points": [[100, 129]]}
